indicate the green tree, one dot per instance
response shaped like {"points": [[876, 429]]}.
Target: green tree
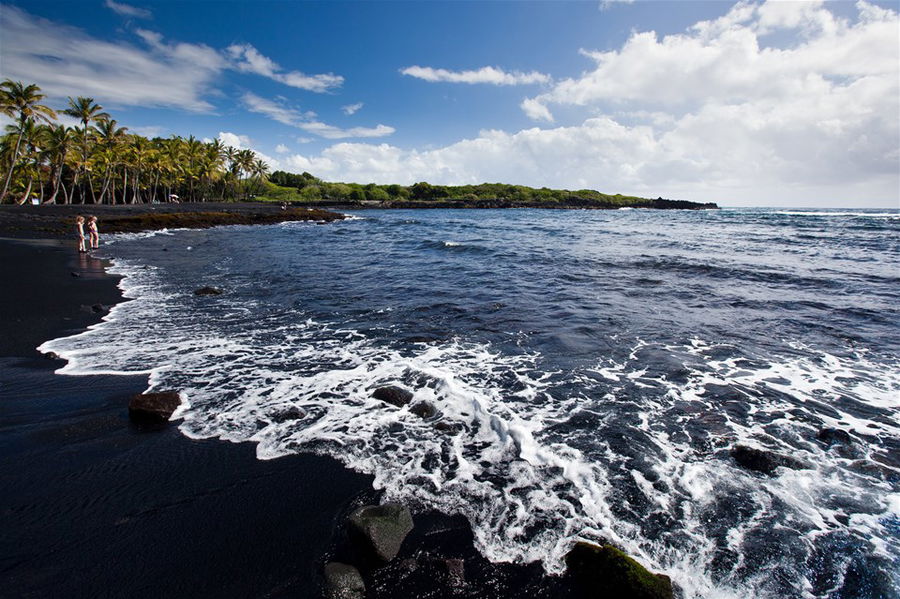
{"points": [[21, 102]]}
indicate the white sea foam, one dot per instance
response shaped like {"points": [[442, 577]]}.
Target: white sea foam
{"points": [[290, 384], [830, 213]]}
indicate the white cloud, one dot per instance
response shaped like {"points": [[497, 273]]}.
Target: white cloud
{"points": [[127, 10], [64, 61], [282, 149], [304, 120], [607, 4], [492, 75], [243, 142], [352, 108], [149, 131], [305, 140], [710, 115], [248, 59], [536, 111], [724, 61]]}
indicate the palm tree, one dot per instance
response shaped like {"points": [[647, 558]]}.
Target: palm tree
{"points": [[260, 173], [86, 111], [59, 142], [109, 137], [21, 102]]}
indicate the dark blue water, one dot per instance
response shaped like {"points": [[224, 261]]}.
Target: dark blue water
{"points": [[591, 372]]}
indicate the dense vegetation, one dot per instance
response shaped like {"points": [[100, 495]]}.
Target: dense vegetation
{"points": [[284, 186], [102, 163]]}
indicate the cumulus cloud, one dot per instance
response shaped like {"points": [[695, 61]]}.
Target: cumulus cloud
{"points": [[243, 142], [306, 120], [492, 75], [282, 149], [127, 10], [352, 108], [248, 59], [714, 114]]}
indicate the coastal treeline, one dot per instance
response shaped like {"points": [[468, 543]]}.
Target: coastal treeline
{"points": [[101, 162], [285, 186]]}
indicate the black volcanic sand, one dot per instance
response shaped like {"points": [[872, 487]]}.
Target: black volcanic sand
{"points": [[94, 506]]}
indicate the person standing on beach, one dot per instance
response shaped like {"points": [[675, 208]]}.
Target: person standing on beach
{"points": [[93, 232], [79, 232]]}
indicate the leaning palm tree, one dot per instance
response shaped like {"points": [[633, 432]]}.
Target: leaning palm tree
{"points": [[21, 102], [86, 111]]}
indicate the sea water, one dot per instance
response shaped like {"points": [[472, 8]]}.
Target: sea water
{"points": [[591, 372]]}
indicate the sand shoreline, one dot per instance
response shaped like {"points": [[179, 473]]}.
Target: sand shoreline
{"points": [[95, 506]]}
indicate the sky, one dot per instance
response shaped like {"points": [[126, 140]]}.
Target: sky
{"points": [[753, 103]]}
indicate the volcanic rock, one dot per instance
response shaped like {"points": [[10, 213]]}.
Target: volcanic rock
{"points": [[393, 395], [607, 572], [834, 436], [423, 409], [153, 407], [343, 581], [759, 460], [208, 291], [382, 527]]}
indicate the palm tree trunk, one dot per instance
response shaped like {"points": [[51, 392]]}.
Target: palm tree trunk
{"points": [[27, 191], [12, 166]]}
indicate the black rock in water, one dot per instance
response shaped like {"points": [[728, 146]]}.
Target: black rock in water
{"points": [[393, 395], [153, 407], [208, 291], [607, 572], [423, 409], [763, 461], [382, 528], [834, 436], [343, 581]]}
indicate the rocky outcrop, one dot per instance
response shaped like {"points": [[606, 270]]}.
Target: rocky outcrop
{"points": [[208, 291], [766, 462], [393, 395], [607, 572], [343, 581], [382, 528], [153, 407]]}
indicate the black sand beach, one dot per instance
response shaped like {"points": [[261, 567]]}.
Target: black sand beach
{"points": [[96, 506]]}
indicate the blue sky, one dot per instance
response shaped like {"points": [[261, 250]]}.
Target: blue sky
{"points": [[754, 103]]}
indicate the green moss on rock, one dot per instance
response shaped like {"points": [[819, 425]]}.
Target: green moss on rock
{"points": [[607, 572]]}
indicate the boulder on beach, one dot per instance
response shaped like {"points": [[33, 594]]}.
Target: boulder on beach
{"points": [[343, 581], [208, 291], [382, 528], [766, 462], [393, 395], [153, 407], [607, 572]]}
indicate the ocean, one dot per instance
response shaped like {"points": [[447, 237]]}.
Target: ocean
{"points": [[590, 373]]}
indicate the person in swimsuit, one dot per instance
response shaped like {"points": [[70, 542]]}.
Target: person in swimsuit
{"points": [[93, 232], [79, 232]]}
